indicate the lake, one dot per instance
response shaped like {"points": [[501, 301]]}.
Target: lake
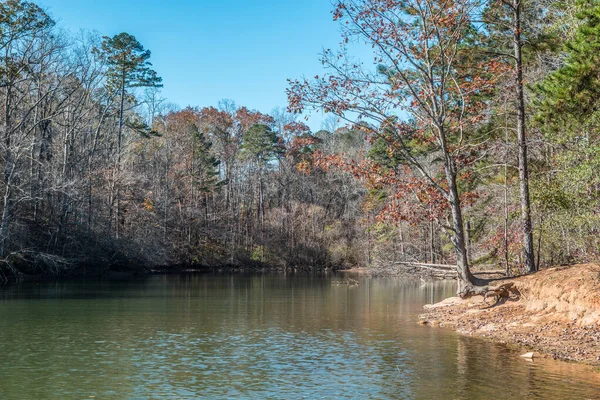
{"points": [[270, 336]]}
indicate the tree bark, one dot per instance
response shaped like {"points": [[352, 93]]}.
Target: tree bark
{"points": [[119, 143], [522, 141], [7, 175], [466, 280]]}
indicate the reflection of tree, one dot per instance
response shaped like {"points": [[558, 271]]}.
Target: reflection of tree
{"points": [[248, 336]]}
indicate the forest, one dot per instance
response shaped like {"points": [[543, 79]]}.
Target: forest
{"points": [[470, 138]]}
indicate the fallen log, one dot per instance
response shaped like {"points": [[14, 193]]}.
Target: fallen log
{"points": [[490, 272], [428, 266]]}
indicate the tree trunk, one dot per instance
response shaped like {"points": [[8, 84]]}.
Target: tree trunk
{"points": [[465, 279], [432, 242], [6, 213], [468, 240], [506, 214], [523, 168], [7, 175], [119, 143], [402, 248]]}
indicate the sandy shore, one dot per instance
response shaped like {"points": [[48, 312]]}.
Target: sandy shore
{"points": [[557, 314]]}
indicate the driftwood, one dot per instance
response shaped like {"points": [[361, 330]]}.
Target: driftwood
{"points": [[428, 266], [435, 270], [443, 270], [489, 272]]}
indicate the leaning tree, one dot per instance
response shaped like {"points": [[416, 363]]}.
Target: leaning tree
{"points": [[425, 98]]}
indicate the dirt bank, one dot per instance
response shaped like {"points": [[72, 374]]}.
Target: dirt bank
{"points": [[557, 314]]}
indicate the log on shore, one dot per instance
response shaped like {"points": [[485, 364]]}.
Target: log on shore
{"points": [[443, 269]]}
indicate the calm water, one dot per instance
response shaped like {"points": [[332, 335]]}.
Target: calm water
{"points": [[263, 337]]}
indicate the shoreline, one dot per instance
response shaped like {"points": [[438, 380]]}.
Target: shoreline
{"points": [[85, 271], [557, 315]]}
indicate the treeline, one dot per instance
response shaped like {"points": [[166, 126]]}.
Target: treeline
{"points": [[472, 139], [101, 173]]}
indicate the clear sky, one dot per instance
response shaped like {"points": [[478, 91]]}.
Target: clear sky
{"points": [[206, 51]]}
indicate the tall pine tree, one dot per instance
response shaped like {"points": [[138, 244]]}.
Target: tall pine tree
{"points": [[128, 67]]}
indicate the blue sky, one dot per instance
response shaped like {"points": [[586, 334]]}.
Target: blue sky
{"points": [[206, 51]]}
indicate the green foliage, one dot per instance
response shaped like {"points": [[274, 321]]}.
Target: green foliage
{"points": [[382, 153], [206, 163], [136, 124], [573, 91], [261, 143], [127, 61], [19, 20]]}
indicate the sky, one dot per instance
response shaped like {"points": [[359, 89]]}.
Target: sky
{"points": [[205, 51]]}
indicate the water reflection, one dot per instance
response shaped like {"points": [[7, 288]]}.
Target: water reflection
{"points": [[263, 336]]}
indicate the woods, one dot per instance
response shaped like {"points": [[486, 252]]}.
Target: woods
{"points": [[442, 85], [469, 138]]}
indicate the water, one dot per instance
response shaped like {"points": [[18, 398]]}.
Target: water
{"points": [[262, 337]]}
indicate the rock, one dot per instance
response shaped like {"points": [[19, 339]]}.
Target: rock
{"points": [[449, 302]]}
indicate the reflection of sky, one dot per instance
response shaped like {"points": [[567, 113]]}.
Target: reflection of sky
{"points": [[210, 50]]}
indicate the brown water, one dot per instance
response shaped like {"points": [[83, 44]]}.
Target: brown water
{"points": [[260, 337]]}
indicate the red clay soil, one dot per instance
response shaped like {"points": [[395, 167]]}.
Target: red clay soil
{"points": [[557, 314]]}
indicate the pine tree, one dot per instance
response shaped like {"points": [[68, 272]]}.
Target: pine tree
{"points": [[573, 91], [128, 67], [261, 143]]}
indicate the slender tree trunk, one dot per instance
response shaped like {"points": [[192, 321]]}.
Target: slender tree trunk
{"points": [[468, 240], [166, 209], [7, 175], [402, 248], [6, 213], [432, 241], [522, 140], [119, 143], [506, 214]]}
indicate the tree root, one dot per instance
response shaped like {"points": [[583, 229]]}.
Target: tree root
{"points": [[503, 291]]}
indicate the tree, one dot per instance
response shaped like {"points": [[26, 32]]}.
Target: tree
{"points": [[425, 70], [22, 27], [567, 105], [507, 17], [572, 92], [128, 67], [260, 143]]}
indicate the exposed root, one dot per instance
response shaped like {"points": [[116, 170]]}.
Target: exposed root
{"points": [[503, 291], [469, 290], [557, 312]]}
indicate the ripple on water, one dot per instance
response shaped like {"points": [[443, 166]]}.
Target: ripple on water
{"points": [[255, 337]]}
